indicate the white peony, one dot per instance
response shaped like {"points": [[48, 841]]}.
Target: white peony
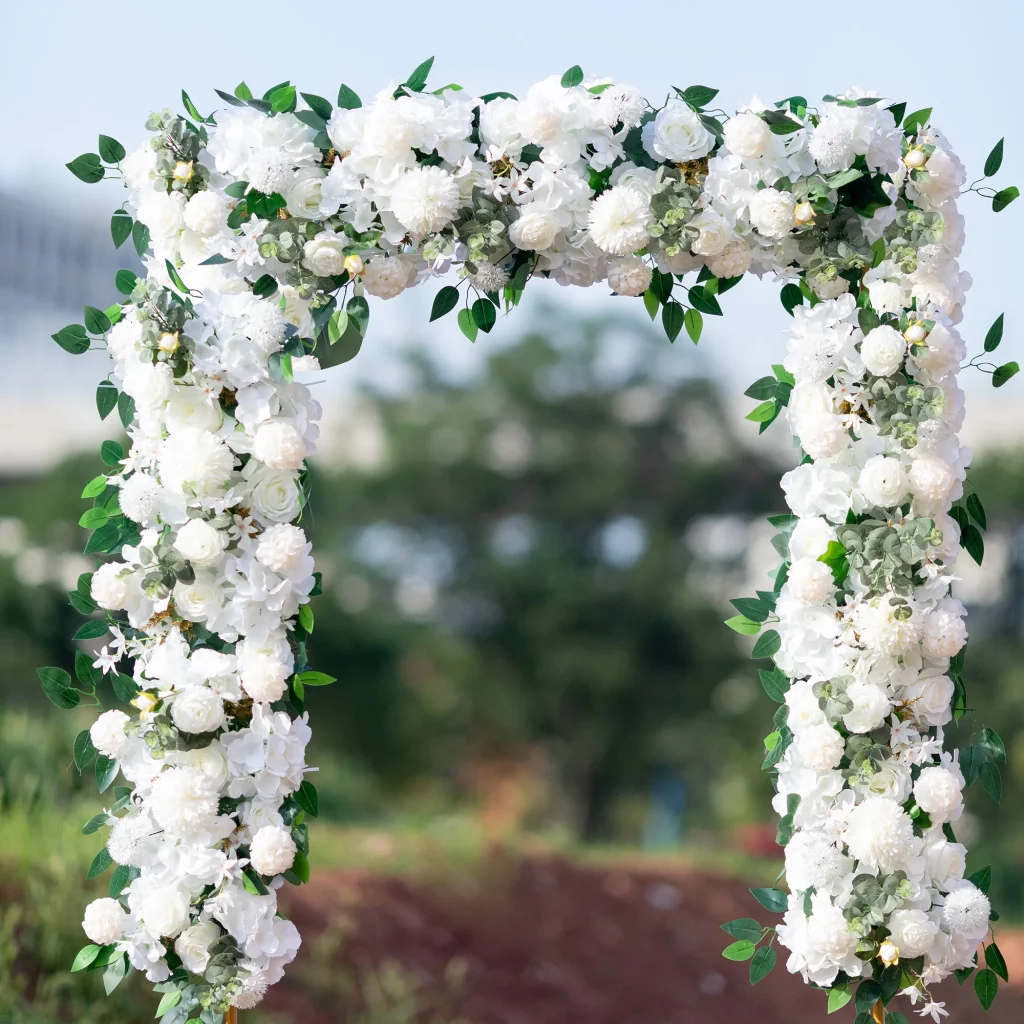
{"points": [[629, 275], [886, 296], [883, 481], [822, 434], [386, 276], [677, 134], [713, 233], [820, 747], [732, 261], [281, 547], [105, 921], [618, 220], [810, 538], [107, 733], [881, 631], [912, 932], [870, 707], [931, 481], [193, 407], [966, 912], [883, 350], [831, 936], [747, 135], [944, 631], [162, 212], [938, 791], [199, 600], [194, 462], [197, 709], [278, 444], [165, 910], [193, 945], [880, 835], [810, 581], [272, 850], [109, 588], [184, 802], [324, 254], [206, 214], [149, 384], [832, 144], [536, 228], [773, 213], [264, 677], [425, 199], [200, 543]]}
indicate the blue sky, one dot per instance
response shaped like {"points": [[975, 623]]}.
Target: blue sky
{"points": [[80, 68]]}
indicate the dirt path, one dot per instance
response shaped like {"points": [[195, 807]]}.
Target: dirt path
{"points": [[547, 941]]}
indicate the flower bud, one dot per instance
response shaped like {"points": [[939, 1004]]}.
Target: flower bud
{"points": [[804, 212], [888, 953], [168, 342], [915, 158], [183, 171], [354, 264]]}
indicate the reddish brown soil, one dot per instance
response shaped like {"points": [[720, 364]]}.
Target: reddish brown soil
{"points": [[547, 941]]}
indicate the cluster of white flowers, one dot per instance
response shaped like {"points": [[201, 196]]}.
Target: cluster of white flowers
{"points": [[267, 226]]}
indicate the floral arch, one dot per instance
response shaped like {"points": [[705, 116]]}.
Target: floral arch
{"points": [[264, 230]]}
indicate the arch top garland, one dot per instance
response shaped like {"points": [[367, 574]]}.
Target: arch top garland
{"points": [[263, 230]]}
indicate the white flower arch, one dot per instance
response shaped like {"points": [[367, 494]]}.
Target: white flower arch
{"points": [[264, 229]]}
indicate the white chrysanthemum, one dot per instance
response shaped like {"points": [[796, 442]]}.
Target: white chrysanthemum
{"points": [[813, 861], [883, 481], [107, 733], [109, 588], [272, 850], [489, 278], [883, 350], [270, 170], [254, 986], [629, 275], [747, 135], [140, 498], [931, 481], [199, 542], [832, 145], [939, 792], [385, 276], [281, 547], [967, 911], [183, 801], [881, 631], [820, 747], [197, 709], [105, 921], [621, 103], [912, 932], [264, 325], [165, 910], [773, 213], [618, 220], [880, 835], [425, 199], [278, 444], [130, 840], [870, 707], [810, 581], [944, 632], [732, 261], [194, 462], [193, 945]]}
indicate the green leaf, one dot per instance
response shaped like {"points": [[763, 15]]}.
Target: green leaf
{"points": [[106, 772], [838, 997], [467, 324], [912, 123], [651, 303], [744, 928], [868, 993], [84, 750], [771, 899], [744, 626], [111, 453], [694, 324], [572, 77], [762, 388], [991, 780], [73, 339], [243, 92], [976, 510], [84, 957], [283, 100], [775, 684], [168, 1001], [306, 618], [57, 686], [301, 866], [982, 878], [118, 880], [120, 227], [995, 334], [125, 688], [125, 281], [96, 321], [1000, 201], [742, 949], [444, 302], [418, 79], [347, 99], [704, 301], [484, 314], [87, 168], [754, 608], [308, 799], [114, 973], [699, 96], [892, 1017], [972, 542], [994, 160], [88, 675], [140, 237], [1004, 373], [992, 745], [95, 823], [762, 413], [672, 319], [994, 959], [125, 409], [762, 964], [106, 399], [111, 151], [99, 864], [319, 106], [337, 326], [971, 760], [767, 645], [986, 985], [791, 297], [91, 630], [311, 678], [837, 181]]}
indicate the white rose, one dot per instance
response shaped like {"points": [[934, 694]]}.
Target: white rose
{"points": [[109, 589], [870, 707], [714, 233], [303, 198], [210, 761], [912, 932], [536, 228], [197, 600], [273, 493], [281, 547], [810, 581], [193, 407], [629, 275], [820, 747], [197, 709], [105, 921], [618, 220], [938, 791], [162, 212], [138, 169], [747, 135], [324, 255], [386, 276], [107, 733], [886, 296], [193, 945], [822, 434], [279, 445], [931, 481], [206, 214], [425, 199], [732, 261], [929, 697], [164, 910], [883, 350], [883, 481], [810, 538], [272, 850], [125, 337], [946, 862], [773, 213], [149, 384], [941, 353], [677, 134], [201, 543]]}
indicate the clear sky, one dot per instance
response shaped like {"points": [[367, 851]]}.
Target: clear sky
{"points": [[75, 68]]}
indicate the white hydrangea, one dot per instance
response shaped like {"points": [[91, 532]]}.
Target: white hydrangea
{"points": [[272, 850]]}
